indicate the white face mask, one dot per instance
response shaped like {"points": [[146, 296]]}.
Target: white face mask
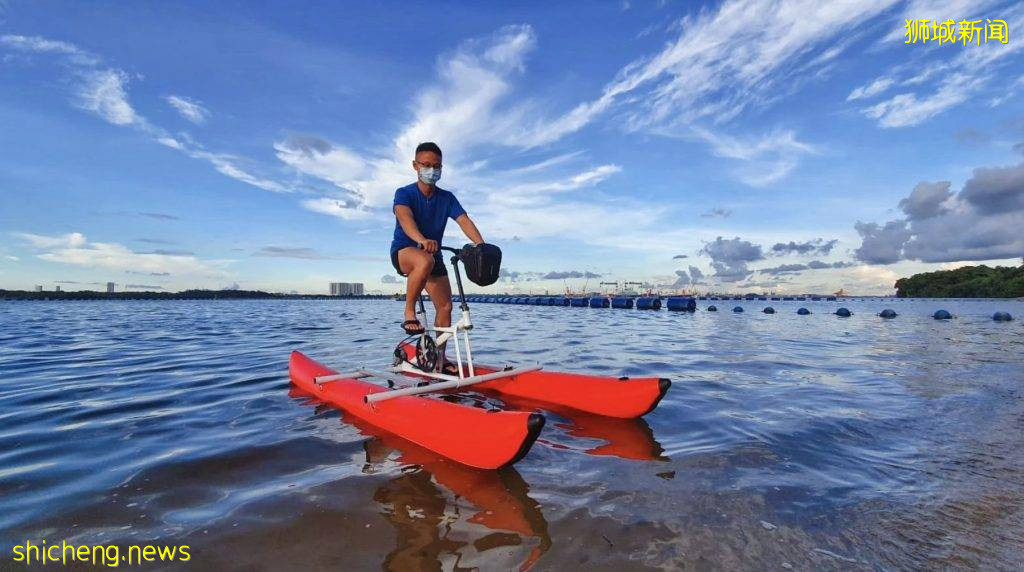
{"points": [[429, 175]]}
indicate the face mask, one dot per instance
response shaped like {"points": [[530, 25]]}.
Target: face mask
{"points": [[429, 175]]}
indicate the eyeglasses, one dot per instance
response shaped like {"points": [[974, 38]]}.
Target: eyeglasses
{"points": [[427, 165]]}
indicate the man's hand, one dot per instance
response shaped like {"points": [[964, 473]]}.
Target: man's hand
{"points": [[428, 245]]}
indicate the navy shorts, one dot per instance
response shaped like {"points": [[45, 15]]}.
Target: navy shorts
{"points": [[438, 270]]}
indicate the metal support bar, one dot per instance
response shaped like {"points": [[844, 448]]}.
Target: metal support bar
{"points": [[455, 384], [320, 380]]}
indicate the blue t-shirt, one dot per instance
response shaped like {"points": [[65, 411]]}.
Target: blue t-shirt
{"points": [[431, 215]]}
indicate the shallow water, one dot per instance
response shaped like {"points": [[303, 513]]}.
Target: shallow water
{"points": [[808, 442]]}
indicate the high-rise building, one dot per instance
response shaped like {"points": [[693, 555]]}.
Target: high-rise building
{"points": [[57, 289], [39, 288], [110, 287], [346, 288]]}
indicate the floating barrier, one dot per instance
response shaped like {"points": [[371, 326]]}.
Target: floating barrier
{"points": [[738, 309], [622, 302], [578, 302], [887, 313], [843, 313], [1002, 317], [712, 308], [648, 303], [803, 311], [599, 302], [769, 310], [682, 304], [942, 315]]}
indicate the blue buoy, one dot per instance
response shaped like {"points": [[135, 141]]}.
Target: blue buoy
{"points": [[578, 302], [942, 315], [599, 302], [622, 302], [712, 308], [648, 303], [769, 310], [1002, 317], [843, 313], [738, 309], [681, 304], [803, 311], [887, 313]]}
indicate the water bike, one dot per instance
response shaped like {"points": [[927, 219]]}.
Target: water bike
{"points": [[481, 438]]}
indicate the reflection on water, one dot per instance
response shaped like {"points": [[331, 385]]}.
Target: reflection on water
{"points": [[804, 442]]}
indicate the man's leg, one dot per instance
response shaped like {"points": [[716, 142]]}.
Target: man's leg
{"points": [[440, 290], [417, 264]]}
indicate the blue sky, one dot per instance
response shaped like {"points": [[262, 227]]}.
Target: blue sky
{"points": [[793, 146]]}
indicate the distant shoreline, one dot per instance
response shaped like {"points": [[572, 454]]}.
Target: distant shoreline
{"points": [[91, 295], [52, 296]]}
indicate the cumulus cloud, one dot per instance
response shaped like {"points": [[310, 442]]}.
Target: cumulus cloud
{"points": [[814, 246], [982, 221], [188, 108], [389, 279], [729, 258], [926, 200], [696, 276]]}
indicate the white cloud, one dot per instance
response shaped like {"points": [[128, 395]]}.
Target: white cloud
{"points": [[42, 45], [76, 250], [872, 89], [336, 208], [931, 87], [103, 93], [70, 240], [189, 109]]}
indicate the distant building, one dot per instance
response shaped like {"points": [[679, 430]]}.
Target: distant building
{"points": [[110, 287], [346, 288], [39, 288], [57, 289]]}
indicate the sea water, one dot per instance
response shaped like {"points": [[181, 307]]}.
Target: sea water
{"points": [[786, 441]]}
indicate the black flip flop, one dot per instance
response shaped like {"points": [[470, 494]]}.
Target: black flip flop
{"points": [[410, 331], [450, 368]]}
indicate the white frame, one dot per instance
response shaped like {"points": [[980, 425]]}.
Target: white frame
{"points": [[448, 333]]}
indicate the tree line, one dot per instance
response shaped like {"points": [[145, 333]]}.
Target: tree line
{"points": [[966, 282]]}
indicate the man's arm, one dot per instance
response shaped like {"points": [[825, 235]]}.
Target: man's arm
{"points": [[469, 228], [405, 218]]}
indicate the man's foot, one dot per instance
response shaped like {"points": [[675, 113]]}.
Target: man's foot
{"points": [[413, 327]]}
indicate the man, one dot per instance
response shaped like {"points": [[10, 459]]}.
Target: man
{"points": [[422, 210]]}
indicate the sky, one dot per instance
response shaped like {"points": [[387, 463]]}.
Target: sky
{"points": [[731, 146]]}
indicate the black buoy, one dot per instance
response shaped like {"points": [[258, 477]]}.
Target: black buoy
{"points": [[738, 309], [942, 315], [1002, 317], [769, 310], [803, 311], [887, 313], [712, 308], [843, 313]]}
